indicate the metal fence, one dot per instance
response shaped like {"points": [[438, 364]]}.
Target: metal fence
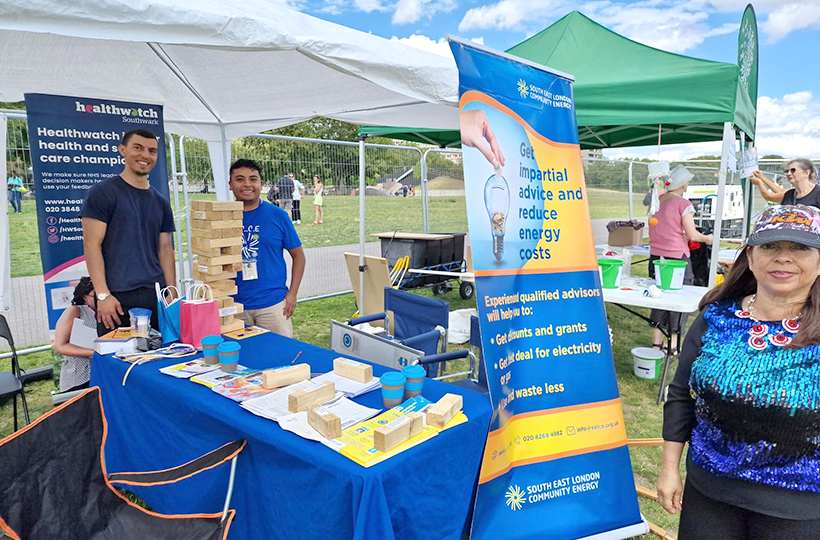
{"points": [[395, 202]]}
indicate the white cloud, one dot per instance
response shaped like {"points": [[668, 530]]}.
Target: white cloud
{"points": [[788, 126], [509, 14], [668, 26], [439, 47], [789, 17], [337, 7], [410, 11]]}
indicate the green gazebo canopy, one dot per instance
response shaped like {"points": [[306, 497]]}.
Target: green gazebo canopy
{"points": [[626, 91]]}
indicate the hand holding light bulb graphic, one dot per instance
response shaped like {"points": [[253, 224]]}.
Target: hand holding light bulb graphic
{"points": [[477, 133]]}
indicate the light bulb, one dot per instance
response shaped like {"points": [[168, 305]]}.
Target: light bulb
{"points": [[497, 201]]}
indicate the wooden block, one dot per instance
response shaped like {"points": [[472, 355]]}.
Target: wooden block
{"points": [[227, 306], [218, 206], [206, 252], [208, 243], [236, 325], [223, 284], [444, 410], [235, 267], [226, 320], [206, 225], [417, 425], [392, 434], [325, 422], [353, 370], [231, 250], [219, 260], [276, 378], [205, 233], [209, 215], [210, 278], [305, 399], [232, 233]]}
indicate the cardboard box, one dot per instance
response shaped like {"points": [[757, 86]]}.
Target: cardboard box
{"points": [[626, 236]]}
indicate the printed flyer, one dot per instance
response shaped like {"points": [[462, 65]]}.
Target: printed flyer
{"points": [[556, 463]]}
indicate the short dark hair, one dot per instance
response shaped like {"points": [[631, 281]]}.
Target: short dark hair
{"points": [[247, 164], [83, 288], [141, 132]]}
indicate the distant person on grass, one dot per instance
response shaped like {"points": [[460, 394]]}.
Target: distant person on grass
{"points": [[296, 213], [284, 186], [318, 201], [267, 232], [127, 228], [16, 189]]}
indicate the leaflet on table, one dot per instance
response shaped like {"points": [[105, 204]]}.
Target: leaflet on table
{"points": [[350, 387], [245, 333], [217, 376], [348, 411], [356, 442], [275, 405], [186, 370], [242, 389]]}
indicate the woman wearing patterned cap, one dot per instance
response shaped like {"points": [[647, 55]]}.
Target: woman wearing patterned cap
{"points": [[670, 230], [746, 395]]}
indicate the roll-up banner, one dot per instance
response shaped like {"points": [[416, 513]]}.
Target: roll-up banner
{"points": [[556, 463], [75, 144]]}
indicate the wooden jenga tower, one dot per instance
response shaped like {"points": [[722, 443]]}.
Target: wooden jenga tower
{"points": [[216, 239]]}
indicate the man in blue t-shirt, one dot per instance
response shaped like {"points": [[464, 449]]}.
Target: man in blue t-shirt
{"points": [[127, 228], [267, 232]]}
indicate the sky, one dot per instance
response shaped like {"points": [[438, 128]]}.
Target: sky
{"points": [[788, 121]]}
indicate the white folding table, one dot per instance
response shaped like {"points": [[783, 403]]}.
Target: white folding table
{"points": [[631, 293]]}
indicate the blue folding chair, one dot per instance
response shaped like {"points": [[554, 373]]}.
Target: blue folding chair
{"points": [[477, 376], [418, 322]]}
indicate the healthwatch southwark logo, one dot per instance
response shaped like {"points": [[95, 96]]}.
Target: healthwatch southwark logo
{"points": [[107, 108], [522, 88], [515, 498]]}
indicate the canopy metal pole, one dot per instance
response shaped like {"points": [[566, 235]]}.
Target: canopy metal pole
{"points": [[187, 209], [728, 140], [425, 201], [178, 215], [631, 210], [5, 251], [362, 180], [222, 191], [747, 192]]}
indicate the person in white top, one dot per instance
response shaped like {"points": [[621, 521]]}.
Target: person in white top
{"points": [[296, 211]]}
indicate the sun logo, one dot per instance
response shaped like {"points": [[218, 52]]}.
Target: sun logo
{"points": [[522, 88], [515, 498]]}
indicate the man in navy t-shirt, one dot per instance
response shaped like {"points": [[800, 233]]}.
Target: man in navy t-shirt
{"points": [[127, 227], [267, 232]]}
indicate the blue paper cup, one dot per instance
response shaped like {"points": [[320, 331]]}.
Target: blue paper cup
{"points": [[393, 388], [209, 345], [228, 355], [415, 380]]}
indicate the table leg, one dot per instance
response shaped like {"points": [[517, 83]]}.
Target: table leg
{"points": [[667, 359]]}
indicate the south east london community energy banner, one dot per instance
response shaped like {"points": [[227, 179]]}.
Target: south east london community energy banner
{"points": [[556, 463], [74, 145]]}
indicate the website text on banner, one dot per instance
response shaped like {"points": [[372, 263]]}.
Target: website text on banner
{"points": [[74, 145], [556, 460]]}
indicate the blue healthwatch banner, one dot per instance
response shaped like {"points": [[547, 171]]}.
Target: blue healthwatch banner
{"points": [[556, 463], [74, 144]]}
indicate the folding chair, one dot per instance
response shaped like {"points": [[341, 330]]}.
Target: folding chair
{"points": [[11, 382], [54, 485]]}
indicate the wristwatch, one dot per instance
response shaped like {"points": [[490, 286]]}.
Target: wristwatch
{"points": [[102, 296]]}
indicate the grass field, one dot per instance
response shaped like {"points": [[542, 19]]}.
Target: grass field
{"points": [[341, 223], [643, 418]]}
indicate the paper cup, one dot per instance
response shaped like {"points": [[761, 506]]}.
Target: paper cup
{"points": [[415, 381], [228, 355], [393, 388], [209, 345]]}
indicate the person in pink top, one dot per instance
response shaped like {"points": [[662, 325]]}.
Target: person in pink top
{"points": [[669, 238]]}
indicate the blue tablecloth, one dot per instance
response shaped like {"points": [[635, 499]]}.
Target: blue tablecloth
{"points": [[287, 487]]}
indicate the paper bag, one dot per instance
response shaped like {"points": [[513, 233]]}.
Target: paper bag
{"points": [[199, 316], [168, 314]]}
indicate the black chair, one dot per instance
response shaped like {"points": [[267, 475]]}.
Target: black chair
{"points": [[54, 485], [11, 382]]}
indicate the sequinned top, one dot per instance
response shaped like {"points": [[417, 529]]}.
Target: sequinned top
{"points": [[751, 411]]}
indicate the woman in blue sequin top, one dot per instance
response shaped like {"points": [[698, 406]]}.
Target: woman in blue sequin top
{"points": [[746, 395]]}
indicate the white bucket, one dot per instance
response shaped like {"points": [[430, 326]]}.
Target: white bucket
{"points": [[647, 362]]}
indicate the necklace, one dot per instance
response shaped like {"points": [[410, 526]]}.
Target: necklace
{"points": [[759, 337]]}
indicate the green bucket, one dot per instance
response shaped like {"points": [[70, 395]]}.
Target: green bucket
{"points": [[610, 271], [669, 274], [646, 362]]}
